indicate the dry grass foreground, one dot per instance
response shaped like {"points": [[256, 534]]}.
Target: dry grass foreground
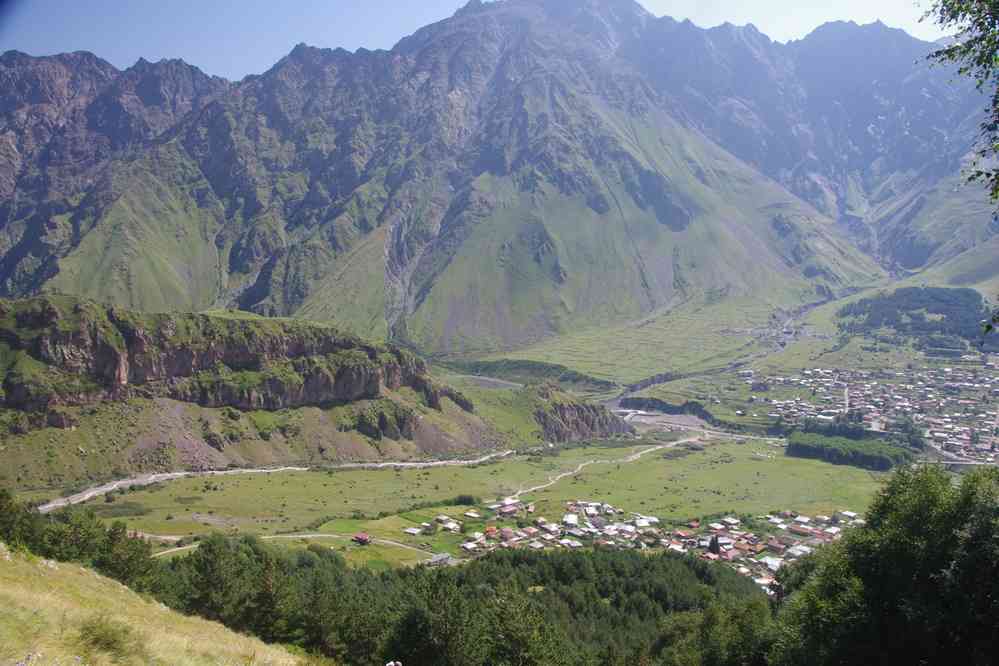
{"points": [[56, 613]]}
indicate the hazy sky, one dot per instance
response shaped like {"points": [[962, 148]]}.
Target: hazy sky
{"points": [[233, 38]]}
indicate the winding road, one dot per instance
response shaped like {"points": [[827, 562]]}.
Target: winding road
{"points": [[382, 542], [388, 542], [583, 465], [149, 479]]}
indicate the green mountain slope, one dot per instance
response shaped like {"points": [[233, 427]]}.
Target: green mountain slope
{"points": [[517, 172], [494, 180]]}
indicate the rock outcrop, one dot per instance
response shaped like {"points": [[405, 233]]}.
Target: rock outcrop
{"points": [[563, 419], [64, 351]]}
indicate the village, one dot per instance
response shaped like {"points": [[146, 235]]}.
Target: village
{"points": [[955, 408], [755, 547]]}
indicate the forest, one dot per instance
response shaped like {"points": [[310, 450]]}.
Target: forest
{"points": [[917, 584], [936, 318], [869, 453]]}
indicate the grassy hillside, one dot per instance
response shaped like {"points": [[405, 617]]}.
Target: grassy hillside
{"points": [[978, 268], [542, 263], [61, 612], [123, 439], [154, 247], [923, 227], [695, 336]]}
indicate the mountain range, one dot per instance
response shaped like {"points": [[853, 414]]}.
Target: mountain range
{"points": [[519, 170]]}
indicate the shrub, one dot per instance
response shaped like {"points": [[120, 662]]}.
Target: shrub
{"points": [[103, 634]]}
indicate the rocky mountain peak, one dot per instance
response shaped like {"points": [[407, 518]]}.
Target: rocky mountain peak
{"points": [[603, 24], [836, 40]]}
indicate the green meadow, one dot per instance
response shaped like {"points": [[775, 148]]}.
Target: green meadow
{"points": [[293, 501], [689, 338], [677, 484]]}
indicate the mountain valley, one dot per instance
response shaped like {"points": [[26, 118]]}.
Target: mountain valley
{"points": [[583, 166], [559, 333]]}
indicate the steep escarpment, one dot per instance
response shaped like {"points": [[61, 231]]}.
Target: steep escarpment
{"points": [[62, 351], [565, 419], [90, 392]]}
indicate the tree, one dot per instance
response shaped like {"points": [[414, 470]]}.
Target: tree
{"points": [[521, 635], [223, 578], [19, 527], [74, 535], [125, 559], [736, 633], [272, 605], [918, 584], [444, 626], [976, 53]]}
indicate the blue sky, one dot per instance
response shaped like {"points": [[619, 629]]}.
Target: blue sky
{"points": [[234, 38]]}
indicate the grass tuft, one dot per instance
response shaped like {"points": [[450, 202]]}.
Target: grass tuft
{"points": [[103, 634]]}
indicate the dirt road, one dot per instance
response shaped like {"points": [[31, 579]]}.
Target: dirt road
{"points": [[382, 542], [579, 468], [149, 479]]}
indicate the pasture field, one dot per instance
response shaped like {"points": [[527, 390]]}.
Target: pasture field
{"points": [[292, 501], [686, 339], [745, 479], [509, 410], [376, 556], [676, 484], [821, 346], [749, 478], [858, 353], [391, 527]]}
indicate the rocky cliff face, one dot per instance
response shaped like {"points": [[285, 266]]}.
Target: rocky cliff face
{"points": [[63, 120], [852, 119], [63, 351], [563, 419]]}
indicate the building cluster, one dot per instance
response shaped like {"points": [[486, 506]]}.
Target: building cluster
{"points": [[955, 408], [756, 549]]}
